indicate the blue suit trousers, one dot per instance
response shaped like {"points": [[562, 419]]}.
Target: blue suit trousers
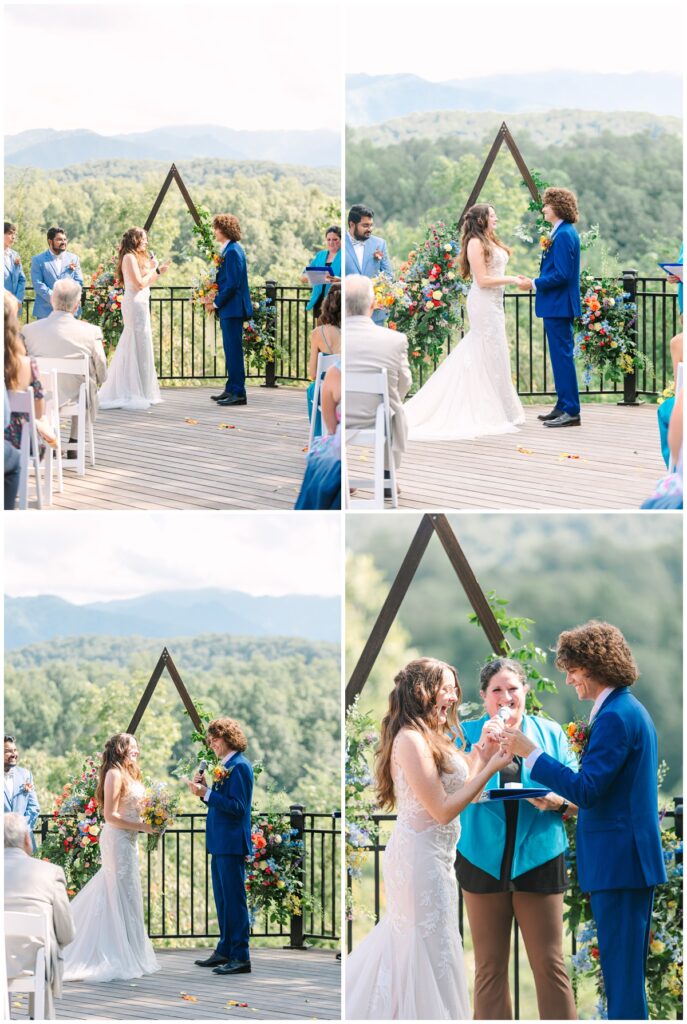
{"points": [[229, 889], [232, 340], [559, 333], [623, 924]]}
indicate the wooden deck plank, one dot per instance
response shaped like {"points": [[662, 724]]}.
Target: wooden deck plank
{"points": [[285, 984], [618, 463], [156, 460]]}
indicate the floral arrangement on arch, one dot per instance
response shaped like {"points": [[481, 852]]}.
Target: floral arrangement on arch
{"points": [[426, 303], [602, 334], [74, 840], [103, 302], [274, 885], [361, 828]]}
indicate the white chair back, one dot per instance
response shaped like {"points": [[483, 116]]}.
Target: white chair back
{"points": [[378, 438], [29, 452], [24, 925], [74, 366], [324, 361]]}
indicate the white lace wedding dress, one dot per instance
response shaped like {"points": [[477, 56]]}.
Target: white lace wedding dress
{"points": [[471, 392], [111, 940], [131, 378], [411, 966]]}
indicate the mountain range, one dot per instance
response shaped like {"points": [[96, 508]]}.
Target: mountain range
{"points": [[30, 620], [371, 99], [49, 148]]}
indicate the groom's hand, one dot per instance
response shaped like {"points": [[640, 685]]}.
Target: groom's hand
{"points": [[517, 743], [524, 283], [197, 788]]}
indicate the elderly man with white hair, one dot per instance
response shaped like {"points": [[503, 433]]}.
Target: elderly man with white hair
{"points": [[33, 887], [61, 335], [369, 348]]}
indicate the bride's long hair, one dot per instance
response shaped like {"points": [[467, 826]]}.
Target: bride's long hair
{"points": [[114, 756], [476, 225], [412, 705], [131, 240]]}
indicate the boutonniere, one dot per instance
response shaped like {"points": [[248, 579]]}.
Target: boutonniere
{"points": [[17, 261], [27, 787], [546, 241], [578, 736], [220, 773], [72, 266], [378, 255], [218, 259]]}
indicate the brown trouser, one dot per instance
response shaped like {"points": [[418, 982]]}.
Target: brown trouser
{"points": [[540, 918]]}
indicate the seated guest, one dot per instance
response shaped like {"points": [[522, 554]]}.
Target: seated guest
{"points": [[329, 259], [11, 465], [33, 886], [371, 348], [61, 335], [669, 491], [21, 373], [326, 338], [15, 278], [20, 793], [321, 487], [665, 409]]}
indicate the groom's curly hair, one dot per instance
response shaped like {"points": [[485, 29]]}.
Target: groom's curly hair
{"points": [[601, 650], [230, 731], [564, 203], [229, 225]]}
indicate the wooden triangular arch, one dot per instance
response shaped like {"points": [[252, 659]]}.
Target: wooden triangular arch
{"points": [[172, 175], [503, 135], [165, 662], [429, 525]]}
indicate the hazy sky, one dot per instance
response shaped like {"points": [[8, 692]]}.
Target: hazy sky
{"points": [[108, 555], [130, 67], [466, 38]]}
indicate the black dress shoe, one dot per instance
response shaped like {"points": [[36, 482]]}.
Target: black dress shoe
{"points": [[233, 400], [554, 414], [217, 398], [233, 967], [212, 961], [564, 420]]}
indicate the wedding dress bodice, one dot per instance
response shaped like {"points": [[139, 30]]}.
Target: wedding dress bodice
{"points": [[496, 267], [410, 812]]}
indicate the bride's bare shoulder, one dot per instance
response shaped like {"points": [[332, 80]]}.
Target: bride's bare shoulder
{"points": [[410, 742]]}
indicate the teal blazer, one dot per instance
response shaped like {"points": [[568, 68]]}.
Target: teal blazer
{"points": [[320, 260], [539, 835]]}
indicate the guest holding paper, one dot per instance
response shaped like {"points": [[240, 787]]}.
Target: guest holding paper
{"points": [[510, 860], [329, 259], [326, 338]]}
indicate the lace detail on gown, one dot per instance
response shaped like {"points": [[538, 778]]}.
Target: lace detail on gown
{"points": [[411, 966], [111, 940], [471, 392], [131, 378]]}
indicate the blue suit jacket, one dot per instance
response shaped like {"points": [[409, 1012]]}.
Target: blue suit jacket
{"points": [[15, 278], [320, 260], [558, 284], [23, 801], [370, 267], [618, 835], [539, 835], [44, 275], [233, 295], [228, 826]]}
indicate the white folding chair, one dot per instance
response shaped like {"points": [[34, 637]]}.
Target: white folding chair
{"points": [[29, 450], [53, 456], [378, 438], [75, 366], [324, 361], [35, 926]]}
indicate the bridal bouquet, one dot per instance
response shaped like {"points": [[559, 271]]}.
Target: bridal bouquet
{"points": [[158, 808]]}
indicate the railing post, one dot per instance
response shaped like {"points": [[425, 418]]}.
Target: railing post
{"points": [[677, 801], [630, 379], [271, 368], [297, 929]]}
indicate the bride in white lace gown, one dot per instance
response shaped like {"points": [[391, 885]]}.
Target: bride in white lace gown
{"points": [[471, 392], [131, 378], [111, 940], [411, 966]]}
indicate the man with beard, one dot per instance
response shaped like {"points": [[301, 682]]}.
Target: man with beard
{"points": [[366, 253]]}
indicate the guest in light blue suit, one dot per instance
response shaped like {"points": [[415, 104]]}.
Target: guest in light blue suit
{"points": [[619, 852], [228, 840], [15, 278], [20, 793], [50, 266], [366, 253], [557, 302], [329, 258]]}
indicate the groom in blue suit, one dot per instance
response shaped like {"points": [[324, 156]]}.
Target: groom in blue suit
{"points": [[366, 253], [619, 852], [15, 278], [557, 301], [233, 305], [20, 792], [228, 841], [55, 264]]}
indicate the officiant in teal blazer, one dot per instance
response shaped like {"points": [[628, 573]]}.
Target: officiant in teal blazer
{"points": [[329, 258]]}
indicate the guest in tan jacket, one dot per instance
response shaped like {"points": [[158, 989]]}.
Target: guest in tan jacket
{"points": [[34, 886]]}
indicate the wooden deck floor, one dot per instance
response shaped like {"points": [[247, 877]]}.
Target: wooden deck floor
{"points": [[615, 463], [158, 460], [285, 985]]}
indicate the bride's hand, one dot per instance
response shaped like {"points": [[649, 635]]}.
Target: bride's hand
{"points": [[499, 760], [164, 267], [145, 827]]}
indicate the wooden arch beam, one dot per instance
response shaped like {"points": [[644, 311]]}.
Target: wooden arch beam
{"points": [[503, 135], [172, 175], [165, 662]]}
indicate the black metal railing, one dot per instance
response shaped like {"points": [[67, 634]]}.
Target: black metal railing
{"points": [[672, 815], [656, 323], [188, 344], [177, 886]]}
